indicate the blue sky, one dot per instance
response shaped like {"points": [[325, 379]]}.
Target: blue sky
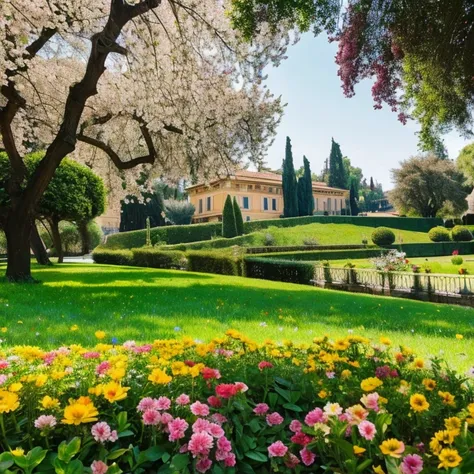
{"points": [[317, 110]]}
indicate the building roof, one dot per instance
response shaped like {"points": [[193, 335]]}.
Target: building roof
{"points": [[264, 177]]}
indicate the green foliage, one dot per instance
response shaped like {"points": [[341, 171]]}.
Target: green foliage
{"points": [[279, 270], [155, 258], [465, 163], [229, 227], [337, 172], [112, 257], [460, 233], [439, 234], [321, 255], [383, 236], [305, 191], [289, 184], [239, 220], [353, 200], [222, 263], [457, 260], [3, 242], [133, 213], [179, 212]]}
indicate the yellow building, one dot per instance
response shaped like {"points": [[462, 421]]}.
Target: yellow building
{"points": [[259, 195]]}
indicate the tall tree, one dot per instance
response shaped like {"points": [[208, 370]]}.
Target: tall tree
{"points": [[290, 193], [372, 185], [337, 174], [353, 200], [465, 163], [305, 191], [239, 220], [229, 227], [354, 174], [424, 185]]}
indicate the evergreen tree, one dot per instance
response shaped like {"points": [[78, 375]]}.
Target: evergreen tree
{"points": [[229, 228], [353, 200], [337, 172], [305, 191], [372, 185], [239, 221], [290, 193]]}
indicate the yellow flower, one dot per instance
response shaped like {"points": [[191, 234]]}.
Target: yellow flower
{"points": [[418, 402], [370, 384], [58, 375], [449, 458], [47, 402], [435, 446], [392, 447], [41, 379], [345, 374], [378, 470], [117, 373], [341, 344], [18, 452], [74, 327], [418, 363], [429, 384], [358, 450], [100, 334], [8, 401], [322, 394], [159, 376], [445, 436], [385, 341], [4, 329], [453, 424], [448, 399], [79, 412], [114, 392], [97, 390], [15, 387], [459, 336]]}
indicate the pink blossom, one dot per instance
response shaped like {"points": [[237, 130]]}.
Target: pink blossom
{"points": [[99, 467], [295, 426], [44, 422], [177, 429], [200, 424], [218, 418], [241, 387], [214, 401], [261, 409], [330, 375], [183, 399], [215, 430], [199, 409], [166, 418], [229, 461], [315, 416], [147, 403], [411, 464], [370, 401], [3, 379], [163, 403], [151, 417], [307, 457], [274, 419], [91, 355], [227, 390], [200, 444], [101, 432], [367, 430], [292, 461], [301, 438], [265, 365], [277, 450], [209, 374], [142, 349], [223, 444], [129, 344], [4, 364], [102, 368], [203, 465]]}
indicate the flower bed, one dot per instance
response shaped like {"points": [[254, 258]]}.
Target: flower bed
{"points": [[233, 406]]}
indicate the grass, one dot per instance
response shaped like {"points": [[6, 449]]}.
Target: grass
{"points": [[144, 304], [436, 264]]}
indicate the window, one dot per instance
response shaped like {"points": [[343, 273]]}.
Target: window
{"points": [[200, 206], [249, 187], [274, 204], [247, 218], [208, 204], [245, 202], [258, 187], [265, 204], [270, 190]]}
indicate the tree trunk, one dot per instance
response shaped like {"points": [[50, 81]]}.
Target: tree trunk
{"points": [[58, 247], [38, 247], [17, 233], [85, 240]]}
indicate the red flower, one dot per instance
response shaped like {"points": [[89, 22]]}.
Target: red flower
{"points": [[214, 401], [265, 365], [190, 363], [210, 374], [226, 390], [455, 252]]}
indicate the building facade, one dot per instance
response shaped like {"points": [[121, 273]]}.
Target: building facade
{"points": [[260, 196]]}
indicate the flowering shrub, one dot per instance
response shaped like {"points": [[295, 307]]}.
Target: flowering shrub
{"points": [[233, 406], [391, 261]]}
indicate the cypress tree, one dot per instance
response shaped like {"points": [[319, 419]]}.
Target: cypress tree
{"points": [[353, 200], [337, 172], [239, 221], [229, 228], [305, 191], [372, 185], [290, 193]]}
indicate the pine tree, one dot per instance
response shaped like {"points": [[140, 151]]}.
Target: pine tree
{"points": [[239, 221], [229, 228], [337, 172], [305, 191], [353, 200], [290, 193]]}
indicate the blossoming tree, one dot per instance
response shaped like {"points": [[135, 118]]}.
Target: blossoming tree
{"points": [[155, 86]]}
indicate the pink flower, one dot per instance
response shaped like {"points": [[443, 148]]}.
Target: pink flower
{"points": [[177, 429], [241, 387], [301, 438], [214, 401], [99, 467], [151, 417], [261, 409], [199, 409], [91, 355], [200, 444], [215, 430], [4, 364], [129, 344], [274, 419], [265, 365], [200, 425], [163, 403], [218, 418], [209, 374], [101, 432], [147, 403], [295, 426], [292, 461], [277, 450], [307, 457], [229, 461], [315, 416], [183, 399], [44, 422], [102, 368], [223, 444], [411, 464], [3, 379], [226, 390], [370, 401], [367, 430], [166, 418], [203, 465]]}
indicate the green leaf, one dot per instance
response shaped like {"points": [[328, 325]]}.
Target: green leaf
{"points": [[6, 461], [125, 433], [114, 469], [179, 461], [59, 466], [392, 467], [254, 425], [245, 468], [292, 407], [67, 451], [122, 421], [284, 393], [75, 467], [116, 454], [345, 446], [283, 382], [361, 467], [256, 456], [32, 459], [154, 453], [272, 399]]}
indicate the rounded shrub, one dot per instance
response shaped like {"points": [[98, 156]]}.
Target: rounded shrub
{"points": [[383, 236], [439, 234], [460, 233], [457, 260]]}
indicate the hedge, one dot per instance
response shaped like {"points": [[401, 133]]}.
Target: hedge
{"points": [[213, 244], [434, 249], [215, 262], [154, 258], [297, 248], [113, 257], [279, 270], [317, 255]]}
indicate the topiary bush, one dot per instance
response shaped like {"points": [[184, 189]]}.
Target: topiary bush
{"points": [[439, 234], [460, 233], [383, 236], [457, 260]]}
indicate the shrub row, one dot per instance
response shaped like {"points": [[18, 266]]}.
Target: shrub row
{"points": [[154, 258], [459, 234], [298, 248], [435, 249], [279, 270], [317, 255], [213, 244], [113, 257], [214, 262]]}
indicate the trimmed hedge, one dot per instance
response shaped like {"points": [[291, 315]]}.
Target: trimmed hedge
{"points": [[154, 258], [461, 234], [297, 248], [383, 236], [279, 270], [435, 249], [439, 234], [113, 257], [313, 256], [213, 244], [215, 262]]}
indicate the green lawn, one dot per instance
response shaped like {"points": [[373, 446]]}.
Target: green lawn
{"points": [[143, 304], [437, 264]]}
